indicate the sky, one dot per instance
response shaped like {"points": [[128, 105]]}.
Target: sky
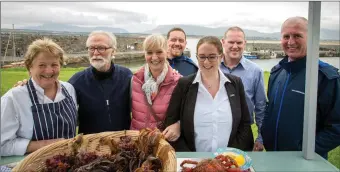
{"points": [[141, 16]]}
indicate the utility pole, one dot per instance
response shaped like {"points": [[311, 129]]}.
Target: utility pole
{"points": [[14, 50]]}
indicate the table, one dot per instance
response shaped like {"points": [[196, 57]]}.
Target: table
{"points": [[10, 159], [262, 161], [276, 161]]}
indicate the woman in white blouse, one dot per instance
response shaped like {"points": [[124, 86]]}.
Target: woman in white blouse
{"points": [[210, 105], [44, 110]]}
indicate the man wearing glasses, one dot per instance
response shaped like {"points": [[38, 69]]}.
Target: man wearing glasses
{"points": [[177, 60], [250, 73], [103, 89]]}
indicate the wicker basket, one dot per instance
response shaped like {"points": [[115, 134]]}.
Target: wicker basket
{"points": [[36, 160]]}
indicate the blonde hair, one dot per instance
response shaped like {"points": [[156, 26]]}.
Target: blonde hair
{"points": [[44, 45], [155, 41], [111, 36]]}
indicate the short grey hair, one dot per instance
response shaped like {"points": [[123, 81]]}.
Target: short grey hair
{"points": [[111, 36], [234, 28], [296, 19]]}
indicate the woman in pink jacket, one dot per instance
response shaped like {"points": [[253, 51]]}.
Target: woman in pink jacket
{"points": [[152, 87]]}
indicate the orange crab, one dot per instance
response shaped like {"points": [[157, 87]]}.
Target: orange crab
{"points": [[221, 163]]}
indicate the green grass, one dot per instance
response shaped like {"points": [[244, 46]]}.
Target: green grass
{"points": [[10, 76], [266, 78]]}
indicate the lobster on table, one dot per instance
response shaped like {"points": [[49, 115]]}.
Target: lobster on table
{"points": [[221, 163]]}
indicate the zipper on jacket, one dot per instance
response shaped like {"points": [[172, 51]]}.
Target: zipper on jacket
{"points": [[172, 63], [108, 110], [107, 102], [279, 113]]}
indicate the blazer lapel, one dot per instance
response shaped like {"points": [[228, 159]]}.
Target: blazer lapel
{"points": [[188, 115], [235, 109]]}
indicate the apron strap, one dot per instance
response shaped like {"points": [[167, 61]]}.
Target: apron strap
{"points": [[65, 92], [34, 99], [32, 92]]}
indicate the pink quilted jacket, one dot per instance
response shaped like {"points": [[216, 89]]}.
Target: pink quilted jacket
{"points": [[141, 116]]}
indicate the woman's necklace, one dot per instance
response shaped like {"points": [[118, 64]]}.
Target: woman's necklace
{"points": [[209, 86]]}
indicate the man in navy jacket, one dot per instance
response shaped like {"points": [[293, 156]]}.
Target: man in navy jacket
{"points": [[282, 128], [177, 60], [103, 88]]}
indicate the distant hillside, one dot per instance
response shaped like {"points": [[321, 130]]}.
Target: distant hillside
{"points": [[325, 34], [191, 30], [71, 28]]}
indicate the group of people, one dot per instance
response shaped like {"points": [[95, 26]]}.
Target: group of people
{"points": [[197, 107]]}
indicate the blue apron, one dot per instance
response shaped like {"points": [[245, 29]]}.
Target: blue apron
{"points": [[52, 120]]}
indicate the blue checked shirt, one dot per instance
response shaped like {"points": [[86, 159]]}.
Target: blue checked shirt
{"points": [[252, 78]]}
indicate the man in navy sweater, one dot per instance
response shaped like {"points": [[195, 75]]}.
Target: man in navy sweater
{"points": [[103, 88], [177, 60], [282, 128]]}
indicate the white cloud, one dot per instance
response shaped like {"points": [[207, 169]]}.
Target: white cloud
{"points": [[141, 16]]}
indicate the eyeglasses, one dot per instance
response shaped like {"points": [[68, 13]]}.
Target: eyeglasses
{"points": [[99, 49], [210, 58]]}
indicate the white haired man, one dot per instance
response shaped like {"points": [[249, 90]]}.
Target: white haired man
{"points": [[103, 89]]}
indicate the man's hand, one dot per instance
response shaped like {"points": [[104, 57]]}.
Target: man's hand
{"points": [[20, 83], [258, 146], [172, 132]]}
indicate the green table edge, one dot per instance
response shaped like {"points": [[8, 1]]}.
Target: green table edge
{"points": [[10, 159]]}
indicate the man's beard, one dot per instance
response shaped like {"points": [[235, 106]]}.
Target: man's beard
{"points": [[176, 53], [100, 64]]}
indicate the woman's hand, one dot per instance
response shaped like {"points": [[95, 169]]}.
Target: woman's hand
{"points": [[35, 145], [172, 132]]}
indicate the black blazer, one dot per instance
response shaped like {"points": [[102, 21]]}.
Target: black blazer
{"points": [[182, 107]]}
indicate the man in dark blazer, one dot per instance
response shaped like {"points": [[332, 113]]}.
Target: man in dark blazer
{"points": [[182, 107]]}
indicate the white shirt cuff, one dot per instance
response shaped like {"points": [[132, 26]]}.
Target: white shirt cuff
{"points": [[21, 146]]}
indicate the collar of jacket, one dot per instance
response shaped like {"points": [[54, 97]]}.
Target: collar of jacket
{"points": [[178, 58], [293, 66], [181, 58], [102, 75]]}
